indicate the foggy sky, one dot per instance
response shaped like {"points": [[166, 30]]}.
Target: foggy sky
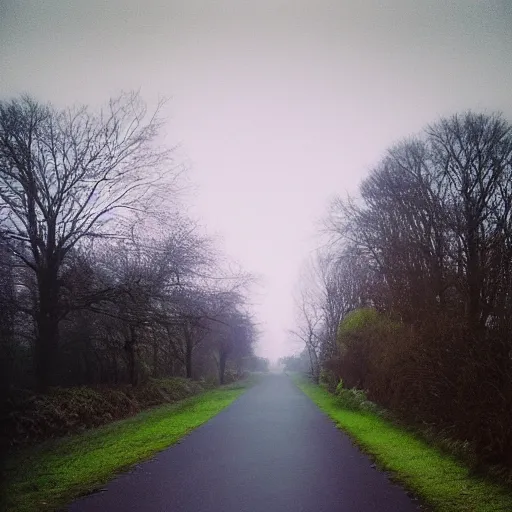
{"points": [[276, 105]]}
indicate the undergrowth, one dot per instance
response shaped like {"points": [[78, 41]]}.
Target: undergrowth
{"points": [[30, 418]]}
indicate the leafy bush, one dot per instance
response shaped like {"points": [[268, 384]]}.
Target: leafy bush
{"points": [[357, 320], [367, 340], [354, 400]]}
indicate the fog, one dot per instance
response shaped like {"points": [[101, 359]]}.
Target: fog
{"points": [[275, 106]]}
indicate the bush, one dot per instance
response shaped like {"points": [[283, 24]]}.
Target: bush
{"points": [[328, 380], [210, 381], [357, 320], [436, 372], [355, 400], [367, 341], [31, 418], [232, 375], [158, 391]]}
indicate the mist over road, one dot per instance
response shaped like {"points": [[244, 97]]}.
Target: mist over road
{"points": [[271, 451]]}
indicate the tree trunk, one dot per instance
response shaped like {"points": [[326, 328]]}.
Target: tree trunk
{"points": [[47, 323], [188, 351], [6, 348], [90, 358], [223, 357], [130, 352], [188, 359], [473, 288], [115, 371], [313, 361], [155, 359]]}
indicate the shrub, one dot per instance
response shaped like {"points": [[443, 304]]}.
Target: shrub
{"points": [[355, 400], [210, 381], [328, 380], [232, 375], [428, 372], [366, 338], [32, 418], [357, 320]]}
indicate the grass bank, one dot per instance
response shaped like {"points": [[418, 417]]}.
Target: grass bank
{"points": [[49, 475], [441, 481]]}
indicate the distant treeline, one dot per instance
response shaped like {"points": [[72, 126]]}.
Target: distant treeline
{"points": [[424, 252]]}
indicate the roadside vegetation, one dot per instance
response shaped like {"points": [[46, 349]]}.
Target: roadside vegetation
{"points": [[409, 301], [112, 299], [439, 479], [49, 475], [30, 418]]}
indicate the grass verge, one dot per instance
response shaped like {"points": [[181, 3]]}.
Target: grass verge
{"points": [[48, 476], [441, 481]]}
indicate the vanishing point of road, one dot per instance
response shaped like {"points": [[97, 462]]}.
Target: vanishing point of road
{"points": [[272, 450]]}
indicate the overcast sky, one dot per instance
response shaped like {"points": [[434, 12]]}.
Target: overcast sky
{"points": [[277, 105]]}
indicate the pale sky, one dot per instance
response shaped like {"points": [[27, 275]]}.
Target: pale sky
{"points": [[277, 105]]}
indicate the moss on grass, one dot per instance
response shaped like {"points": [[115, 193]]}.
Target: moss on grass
{"points": [[440, 480]]}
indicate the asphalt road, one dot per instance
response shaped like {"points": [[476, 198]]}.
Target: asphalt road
{"points": [[272, 450]]}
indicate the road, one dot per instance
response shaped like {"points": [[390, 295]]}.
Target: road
{"points": [[272, 450]]}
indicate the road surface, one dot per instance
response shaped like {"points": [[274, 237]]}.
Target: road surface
{"points": [[272, 450]]}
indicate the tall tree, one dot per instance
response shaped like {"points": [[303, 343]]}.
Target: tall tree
{"points": [[66, 175]]}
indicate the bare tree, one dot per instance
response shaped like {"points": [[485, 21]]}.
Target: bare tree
{"points": [[309, 319], [8, 308], [66, 175], [231, 336], [472, 162]]}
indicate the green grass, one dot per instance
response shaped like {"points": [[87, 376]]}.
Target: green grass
{"points": [[50, 475], [440, 481]]}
